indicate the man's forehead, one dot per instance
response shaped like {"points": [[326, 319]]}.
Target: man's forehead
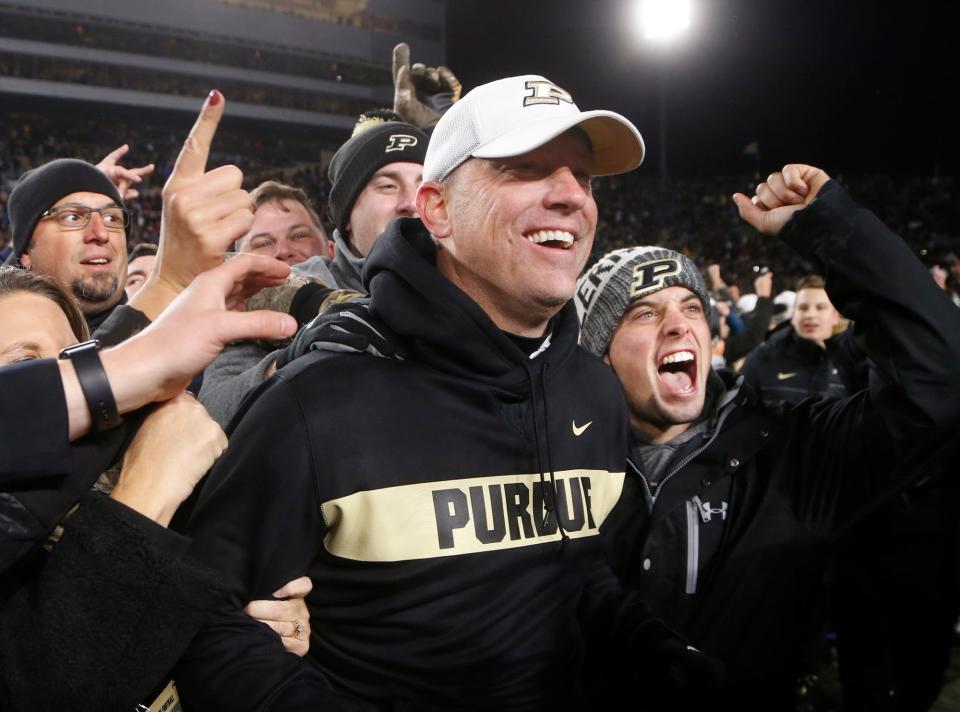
{"points": [[278, 205], [90, 200], [813, 294], [141, 262], [401, 168]]}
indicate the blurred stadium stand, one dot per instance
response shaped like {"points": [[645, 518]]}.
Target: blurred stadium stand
{"points": [[309, 62], [79, 77]]}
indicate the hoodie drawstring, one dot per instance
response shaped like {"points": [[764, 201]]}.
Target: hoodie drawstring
{"points": [[549, 493]]}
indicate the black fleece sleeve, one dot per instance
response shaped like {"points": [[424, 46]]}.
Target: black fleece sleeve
{"points": [[258, 522], [904, 324], [34, 440], [115, 602]]}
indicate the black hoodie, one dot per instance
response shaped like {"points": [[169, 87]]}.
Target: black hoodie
{"points": [[417, 495]]}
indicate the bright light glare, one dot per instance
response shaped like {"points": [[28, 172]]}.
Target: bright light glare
{"points": [[664, 19]]}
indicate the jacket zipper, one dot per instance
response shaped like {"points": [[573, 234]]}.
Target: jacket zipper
{"points": [[693, 545], [685, 461], [648, 495]]}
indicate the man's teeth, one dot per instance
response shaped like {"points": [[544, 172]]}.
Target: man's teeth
{"points": [[561, 236], [96, 261], [678, 357]]}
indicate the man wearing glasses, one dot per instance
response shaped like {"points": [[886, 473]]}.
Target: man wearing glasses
{"points": [[68, 221]]}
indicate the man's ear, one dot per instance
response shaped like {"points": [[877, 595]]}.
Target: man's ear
{"points": [[26, 261], [433, 209]]}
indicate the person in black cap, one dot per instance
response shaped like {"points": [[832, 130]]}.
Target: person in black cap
{"points": [[374, 178], [69, 221]]}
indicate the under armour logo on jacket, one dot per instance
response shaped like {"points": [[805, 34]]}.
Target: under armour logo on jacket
{"points": [[707, 512]]}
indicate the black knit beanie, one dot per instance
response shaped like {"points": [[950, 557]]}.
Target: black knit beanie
{"points": [[364, 154], [40, 188], [619, 278]]}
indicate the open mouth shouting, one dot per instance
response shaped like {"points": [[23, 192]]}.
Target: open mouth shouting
{"points": [[677, 372]]}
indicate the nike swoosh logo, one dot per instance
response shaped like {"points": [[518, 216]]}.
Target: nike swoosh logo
{"points": [[579, 431], [784, 376]]}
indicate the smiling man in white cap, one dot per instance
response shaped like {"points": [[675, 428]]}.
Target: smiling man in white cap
{"points": [[506, 192], [446, 504]]}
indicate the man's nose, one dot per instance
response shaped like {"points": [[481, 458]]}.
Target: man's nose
{"points": [[96, 230], [675, 324], [282, 251], [566, 190], [407, 201]]}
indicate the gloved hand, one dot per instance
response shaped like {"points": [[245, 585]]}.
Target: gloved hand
{"points": [[422, 94], [345, 326], [674, 674]]}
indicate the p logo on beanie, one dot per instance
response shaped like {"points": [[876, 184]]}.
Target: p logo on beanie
{"points": [[400, 142], [648, 277]]}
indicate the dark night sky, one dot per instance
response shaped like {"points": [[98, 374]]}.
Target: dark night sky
{"points": [[851, 85]]}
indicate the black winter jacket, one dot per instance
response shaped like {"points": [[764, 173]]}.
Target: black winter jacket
{"points": [[415, 495], [790, 368], [734, 541], [98, 621]]}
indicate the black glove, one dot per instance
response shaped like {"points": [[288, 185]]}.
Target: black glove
{"points": [[674, 674], [347, 326]]}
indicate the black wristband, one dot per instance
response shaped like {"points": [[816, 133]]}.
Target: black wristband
{"points": [[94, 384]]}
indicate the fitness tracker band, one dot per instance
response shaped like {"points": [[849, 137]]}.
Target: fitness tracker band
{"points": [[94, 384]]}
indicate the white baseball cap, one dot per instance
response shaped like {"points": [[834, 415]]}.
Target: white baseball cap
{"points": [[747, 303], [512, 116], [783, 305]]}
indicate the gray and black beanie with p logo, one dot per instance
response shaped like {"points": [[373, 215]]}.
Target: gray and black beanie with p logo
{"points": [[619, 278], [366, 152]]}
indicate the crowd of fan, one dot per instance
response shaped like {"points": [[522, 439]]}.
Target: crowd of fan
{"points": [[692, 216], [769, 316], [30, 140]]}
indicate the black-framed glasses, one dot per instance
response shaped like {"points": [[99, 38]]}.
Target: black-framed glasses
{"points": [[77, 217]]}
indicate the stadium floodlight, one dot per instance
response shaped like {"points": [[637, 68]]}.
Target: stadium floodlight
{"points": [[662, 20]]}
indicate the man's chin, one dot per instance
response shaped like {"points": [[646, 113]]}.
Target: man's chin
{"points": [[98, 289], [555, 302], [682, 413]]}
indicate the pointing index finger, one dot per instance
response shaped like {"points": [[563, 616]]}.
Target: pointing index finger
{"points": [[401, 58], [192, 161]]}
